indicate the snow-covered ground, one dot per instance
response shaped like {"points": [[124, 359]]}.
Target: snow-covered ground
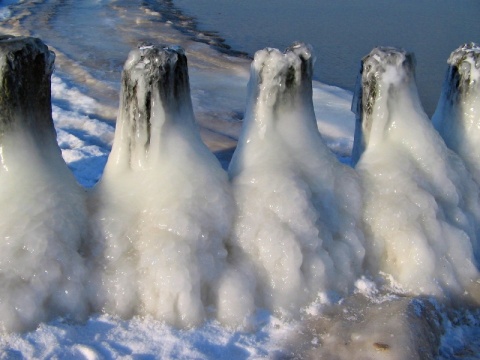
{"points": [[375, 320]]}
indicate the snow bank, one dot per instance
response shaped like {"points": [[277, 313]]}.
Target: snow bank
{"points": [[421, 204], [297, 230], [163, 208], [457, 117], [43, 215]]}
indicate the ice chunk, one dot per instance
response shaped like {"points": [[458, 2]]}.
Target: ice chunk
{"points": [[298, 224], [43, 215], [457, 117], [421, 204], [163, 208]]}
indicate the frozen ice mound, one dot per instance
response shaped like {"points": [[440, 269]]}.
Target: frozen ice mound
{"points": [[43, 217], [297, 230], [421, 209], [163, 209]]}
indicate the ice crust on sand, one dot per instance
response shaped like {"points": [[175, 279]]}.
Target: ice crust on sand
{"points": [[43, 216], [421, 204], [457, 117], [163, 208], [297, 230]]}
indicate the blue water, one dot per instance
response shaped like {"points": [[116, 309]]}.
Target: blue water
{"points": [[343, 31]]}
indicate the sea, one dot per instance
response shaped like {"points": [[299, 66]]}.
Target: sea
{"points": [[344, 31], [99, 33]]}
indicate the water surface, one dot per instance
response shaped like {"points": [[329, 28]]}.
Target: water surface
{"points": [[344, 31]]}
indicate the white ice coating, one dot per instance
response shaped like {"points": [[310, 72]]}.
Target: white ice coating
{"points": [[163, 209], [297, 229], [421, 204], [43, 213], [43, 219], [457, 117]]}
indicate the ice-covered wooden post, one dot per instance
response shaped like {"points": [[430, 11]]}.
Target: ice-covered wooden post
{"points": [[366, 96], [457, 117], [298, 224], [421, 204], [26, 66], [163, 207], [42, 209], [155, 94]]}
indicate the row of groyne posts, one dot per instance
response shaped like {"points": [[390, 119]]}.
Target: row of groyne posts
{"points": [[168, 233]]}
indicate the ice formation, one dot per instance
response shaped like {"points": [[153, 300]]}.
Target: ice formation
{"points": [[298, 224], [421, 204], [163, 208], [43, 215], [457, 117]]}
